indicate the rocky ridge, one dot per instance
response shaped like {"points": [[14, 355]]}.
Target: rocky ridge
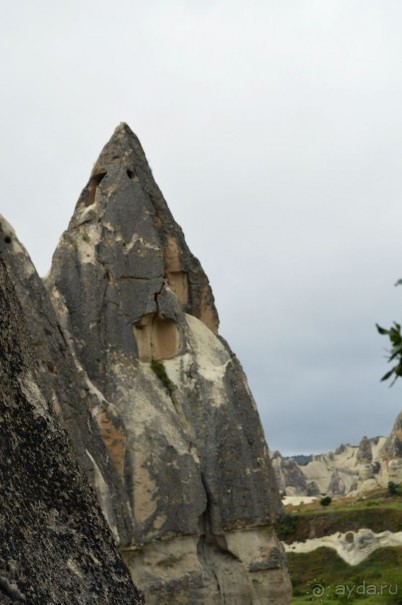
{"points": [[347, 471], [155, 403]]}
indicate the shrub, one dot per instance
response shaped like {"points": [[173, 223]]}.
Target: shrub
{"points": [[326, 501], [161, 373], [392, 488]]}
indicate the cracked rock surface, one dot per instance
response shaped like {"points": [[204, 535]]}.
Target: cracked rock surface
{"points": [[55, 544], [82, 409], [138, 313]]}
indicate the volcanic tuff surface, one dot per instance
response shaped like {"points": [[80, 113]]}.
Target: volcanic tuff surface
{"points": [[65, 384], [186, 442], [55, 545]]}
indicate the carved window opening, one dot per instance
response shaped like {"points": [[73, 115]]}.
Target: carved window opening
{"points": [[156, 337], [92, 187]]}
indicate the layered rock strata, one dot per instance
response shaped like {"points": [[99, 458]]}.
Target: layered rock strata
{"points": [[55, 544], [137, 310]]}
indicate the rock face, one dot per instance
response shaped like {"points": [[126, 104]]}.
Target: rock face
{"points": [[66, 385], [55, 544], [391, 467], [289, 476], [139, 315]]}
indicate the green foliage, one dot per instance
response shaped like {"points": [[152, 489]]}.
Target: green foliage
{"points": [[392, 488], [325, 568], [161, 373], [287, 527], [395, 337], [326, 501]]}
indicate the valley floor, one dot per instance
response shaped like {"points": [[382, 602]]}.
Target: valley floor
{"points": [[321, 576]]}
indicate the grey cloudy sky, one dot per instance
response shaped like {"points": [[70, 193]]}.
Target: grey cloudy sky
{"points": [[274, 129]]}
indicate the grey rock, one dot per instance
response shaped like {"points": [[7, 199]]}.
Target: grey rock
{"points": [[138, 312], [339, 473], [82, 409], [289, 476], [55, 544], [364, 453], [393, 445], [391, 463]]}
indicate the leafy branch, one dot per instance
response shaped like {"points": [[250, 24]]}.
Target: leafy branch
{"points": [[395, 336]]}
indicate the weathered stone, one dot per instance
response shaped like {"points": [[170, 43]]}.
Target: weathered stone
{"points": [[364, 453], [138, 312], [347, 470], [391, 464], [85, 413], [289, 476], [55, 544]]}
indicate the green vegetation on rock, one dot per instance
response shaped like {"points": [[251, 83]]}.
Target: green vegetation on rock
{"points": [[161, 373]]}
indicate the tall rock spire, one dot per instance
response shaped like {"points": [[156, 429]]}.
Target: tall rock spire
{"points": [[138, 311]]}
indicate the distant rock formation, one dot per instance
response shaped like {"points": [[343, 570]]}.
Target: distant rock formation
{"points": [[345, 471], [174, 408], [391, 463], [55, 544]]}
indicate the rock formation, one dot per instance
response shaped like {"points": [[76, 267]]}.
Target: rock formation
{"points": [[138, 313], [347, 470], [66, 385], [391, 464], [289, 476], [55, 544]]}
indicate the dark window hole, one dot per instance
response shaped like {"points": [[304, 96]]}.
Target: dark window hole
{"points": [[131, 174], [93, 184], [7, 239]]}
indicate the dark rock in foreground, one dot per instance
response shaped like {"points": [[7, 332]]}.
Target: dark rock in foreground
{"points": [[55, 544], [81, 408]]}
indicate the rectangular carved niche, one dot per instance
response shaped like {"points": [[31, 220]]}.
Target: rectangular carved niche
{"points": [[156, 338]]}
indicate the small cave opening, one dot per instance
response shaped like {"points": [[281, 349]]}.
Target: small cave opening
{"points": [[7, 239], [94, 183], [131, 174]]}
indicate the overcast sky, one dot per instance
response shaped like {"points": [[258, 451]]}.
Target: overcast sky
{"points": [[274, 129]]}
